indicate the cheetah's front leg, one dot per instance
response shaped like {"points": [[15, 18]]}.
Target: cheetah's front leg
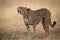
{"points": [[34, 27], [27, 25]]}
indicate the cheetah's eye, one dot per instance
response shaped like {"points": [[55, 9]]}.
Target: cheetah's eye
{"points": [[18, 11]]}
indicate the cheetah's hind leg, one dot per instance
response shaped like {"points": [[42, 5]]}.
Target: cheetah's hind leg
{"points": [[45, 25]]}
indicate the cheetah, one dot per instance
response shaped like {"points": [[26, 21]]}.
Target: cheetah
{"points": [[32, 17]]}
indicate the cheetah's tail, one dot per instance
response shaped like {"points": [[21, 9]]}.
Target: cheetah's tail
{"points": [[52, 25]]}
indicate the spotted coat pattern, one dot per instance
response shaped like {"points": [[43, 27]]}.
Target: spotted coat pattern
{"points": [[31, 17]]}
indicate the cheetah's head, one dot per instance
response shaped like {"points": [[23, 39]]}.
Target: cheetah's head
{"points": [[21, 10]]}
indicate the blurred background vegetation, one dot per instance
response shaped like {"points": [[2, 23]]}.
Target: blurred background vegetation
{"points": [[12, 26]]}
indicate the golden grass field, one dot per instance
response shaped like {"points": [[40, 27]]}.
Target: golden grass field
{"points": [[12, 25]]}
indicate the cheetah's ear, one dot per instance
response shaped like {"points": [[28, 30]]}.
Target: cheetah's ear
{"points": [[28, 9], [25, 7]]}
